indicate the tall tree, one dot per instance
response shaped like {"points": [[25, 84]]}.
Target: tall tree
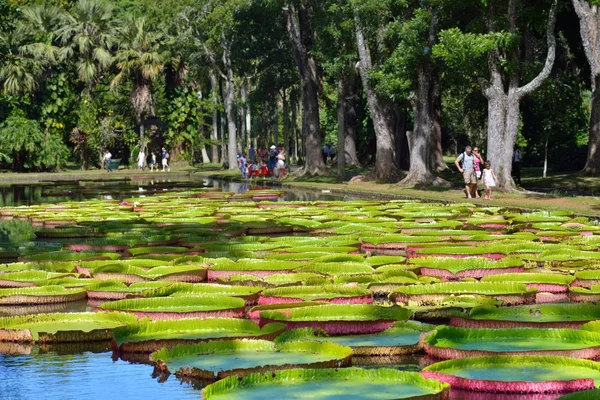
{"points": [[503, 105], [87, 35], [215, 25], [138, 59], [299, 21], [28, 50], [589, 28], [503, 88], [381, 108]]}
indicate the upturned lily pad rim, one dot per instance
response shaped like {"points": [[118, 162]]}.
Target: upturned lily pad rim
{"points": [[518, 362], [467, 334], [147, 330], [340, 312], [233, 346], [483, 288], [175, 304], [28, 322], [296, 376]]}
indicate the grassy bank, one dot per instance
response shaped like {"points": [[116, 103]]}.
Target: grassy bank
{"points": [[557, 188], [584, 205]]}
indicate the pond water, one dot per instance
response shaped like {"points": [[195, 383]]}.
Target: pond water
{"points": [[94, 372], [118, 189]]}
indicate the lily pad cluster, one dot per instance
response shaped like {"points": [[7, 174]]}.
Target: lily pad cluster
{"points": [[248, 295]]}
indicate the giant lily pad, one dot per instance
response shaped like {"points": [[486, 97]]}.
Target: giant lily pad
{"points": [[219, 359], [40, 295], [339, 319], [450, 342], [62, 328], [347, 383], [535, 316], [327, 293], [507, 293], [148, 336], [180, 307], [402, 338], [517, 374]]}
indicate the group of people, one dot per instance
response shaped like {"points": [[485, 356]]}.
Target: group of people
{"points": [[271, 163], [469, 164], [328, 151], [141, 160]]}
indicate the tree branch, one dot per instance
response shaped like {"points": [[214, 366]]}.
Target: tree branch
{"points": [[545, 73], [211, 57]]}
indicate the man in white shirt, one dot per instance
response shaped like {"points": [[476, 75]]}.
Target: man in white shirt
{"points": [[465, 163], [107, 160]]}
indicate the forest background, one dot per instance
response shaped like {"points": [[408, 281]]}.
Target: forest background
{"points": [[394, 84]]}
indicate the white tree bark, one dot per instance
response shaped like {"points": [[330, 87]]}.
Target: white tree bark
{"points": [[214, 134], [504, 107], [385, 157]]}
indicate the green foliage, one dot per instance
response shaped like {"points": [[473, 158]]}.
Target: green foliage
{"points": [[187, 119], [466, 51], [28, 147]]}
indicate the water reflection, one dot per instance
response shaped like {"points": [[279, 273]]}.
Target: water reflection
{"points": [[119, 189], [56, 375]]}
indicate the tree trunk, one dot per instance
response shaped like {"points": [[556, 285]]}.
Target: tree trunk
{"points": [[142, 136], [205, 157], [295, 126], [381, 114], [503, 123], [545, 173], [230, 110], [400, 130], [243, 139], [437, 154], [342, 93], [214, 135], [286, 122], [592, 165], [275, 121], [422, 139], [248, 121], [350, 122], [589, 29], [301, 36], [223, 123]]}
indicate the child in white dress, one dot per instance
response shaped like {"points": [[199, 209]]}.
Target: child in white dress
{"points": [[489, 180]]}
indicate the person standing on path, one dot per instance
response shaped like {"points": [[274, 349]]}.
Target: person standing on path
{"points": [[272, 159], [243, 167], [516, 165], [141, 160], [165, 160], [489, 180], [325, 153], [468, 169], [153, 161], [107, 160], [252, 154], [478, 167]]}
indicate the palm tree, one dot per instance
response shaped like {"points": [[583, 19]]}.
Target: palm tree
{"points": [[28, 50], [137, 58], [88, 33]]}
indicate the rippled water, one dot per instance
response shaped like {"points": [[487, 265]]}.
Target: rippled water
{"points": [[87, 375]]}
